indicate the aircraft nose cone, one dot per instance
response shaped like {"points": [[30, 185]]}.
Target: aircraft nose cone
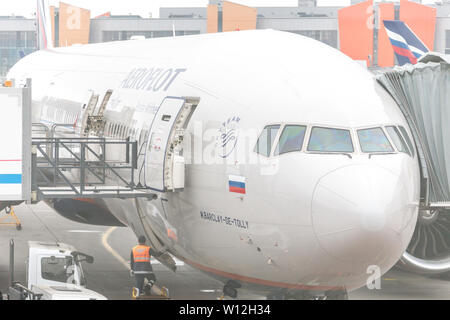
{"points": [[363, 213]]}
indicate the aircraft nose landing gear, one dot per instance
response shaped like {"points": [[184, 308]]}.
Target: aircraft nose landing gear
{"points": [[337, 294], [230, 289]]}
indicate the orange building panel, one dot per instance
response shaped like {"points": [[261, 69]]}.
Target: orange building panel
{"points": [[356, 31], [421, 19], [74, 25], [385, 50], [237, 17], [213, 19]]}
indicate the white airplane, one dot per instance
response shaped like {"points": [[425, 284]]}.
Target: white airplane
{"points": [[301, 174]]}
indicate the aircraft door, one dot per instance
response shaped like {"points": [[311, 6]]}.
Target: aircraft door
{"points": [[87, 110], [164, 165]]}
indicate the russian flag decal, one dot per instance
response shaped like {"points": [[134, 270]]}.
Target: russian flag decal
{"points": [[237, 184]]}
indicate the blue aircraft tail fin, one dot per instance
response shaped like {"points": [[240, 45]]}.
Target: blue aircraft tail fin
{"points": [[407, 46]]}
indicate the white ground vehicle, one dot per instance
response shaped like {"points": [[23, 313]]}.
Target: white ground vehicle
{"points": [[54, 272]]}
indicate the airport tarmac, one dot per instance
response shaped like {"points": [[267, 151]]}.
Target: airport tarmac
{"points": [[109, 275]]}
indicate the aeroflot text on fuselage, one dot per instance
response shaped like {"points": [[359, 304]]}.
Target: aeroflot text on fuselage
{"points": [[153, 79]]}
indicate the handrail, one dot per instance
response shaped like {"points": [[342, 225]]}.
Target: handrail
{"points": [[34, 296], [98, 167]]}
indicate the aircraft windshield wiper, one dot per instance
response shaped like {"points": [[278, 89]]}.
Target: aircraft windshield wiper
{"points": [[381, 154], [337, 153]]}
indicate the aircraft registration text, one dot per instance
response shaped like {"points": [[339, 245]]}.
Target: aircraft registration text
{"points": [[242, 224]]}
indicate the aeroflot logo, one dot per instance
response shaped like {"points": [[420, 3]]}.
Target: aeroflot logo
{"points": [[229, 134], [154, 79]]}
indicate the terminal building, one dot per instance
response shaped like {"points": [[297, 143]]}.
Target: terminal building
{"points": [[355, 30]]}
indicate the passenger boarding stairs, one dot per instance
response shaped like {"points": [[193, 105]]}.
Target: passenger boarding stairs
{"points": [[78, 162], [80, 168]]}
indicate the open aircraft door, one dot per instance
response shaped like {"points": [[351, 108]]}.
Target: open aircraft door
{"points": [[164, 164]]}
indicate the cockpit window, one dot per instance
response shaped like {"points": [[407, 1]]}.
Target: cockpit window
{"points": [[291, 139], [396, 137], [408, 140], [330, 140], [374, 140], [266, 139]]}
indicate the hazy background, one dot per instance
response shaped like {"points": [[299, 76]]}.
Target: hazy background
{"points": [[146, 7]]}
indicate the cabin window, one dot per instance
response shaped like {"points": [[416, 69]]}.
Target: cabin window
{"points": [[266, 140], [408, 140], [374, 140], [330, 140], [56, 269], [396, 137], [291, 139]]}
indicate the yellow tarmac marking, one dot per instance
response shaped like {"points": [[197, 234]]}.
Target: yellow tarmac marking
{"points": [[389, 279], [111, 250]]}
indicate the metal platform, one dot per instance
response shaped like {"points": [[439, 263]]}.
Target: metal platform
{"points": [[84, 168], [69, 161]]}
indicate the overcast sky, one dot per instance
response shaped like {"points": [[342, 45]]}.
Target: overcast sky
{"points": [[145, 7]]}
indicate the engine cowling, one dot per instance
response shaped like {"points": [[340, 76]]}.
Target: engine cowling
{"points": [[87, 211], [429, 249]]}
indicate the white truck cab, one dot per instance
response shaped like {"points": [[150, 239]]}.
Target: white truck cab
{"points": [[54, 272], [53, 264]]}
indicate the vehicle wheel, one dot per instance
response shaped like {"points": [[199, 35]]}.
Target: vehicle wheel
{"points": [[339, 295], [147, 290], [278, 295], [19, 227], [230, 292]]}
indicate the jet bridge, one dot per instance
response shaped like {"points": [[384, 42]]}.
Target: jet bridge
{"points": [[422, 92]]}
